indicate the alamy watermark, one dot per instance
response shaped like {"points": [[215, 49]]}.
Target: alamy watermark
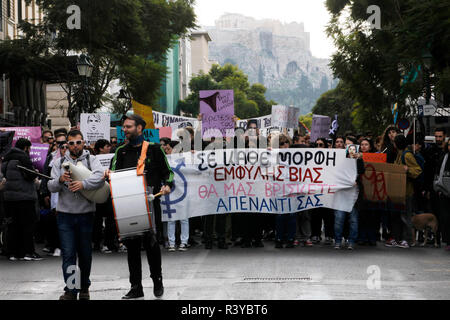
{"points": [[375, 19], [74, 20], [374, 280]]}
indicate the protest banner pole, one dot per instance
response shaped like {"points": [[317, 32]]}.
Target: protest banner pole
{"points": [[35, 172], [414, 135]]}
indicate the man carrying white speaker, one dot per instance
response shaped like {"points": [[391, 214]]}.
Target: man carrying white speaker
{"points": [[75, 215], [150, 160]]}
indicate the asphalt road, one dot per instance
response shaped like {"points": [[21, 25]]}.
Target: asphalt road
{"points": [[320, 272]]}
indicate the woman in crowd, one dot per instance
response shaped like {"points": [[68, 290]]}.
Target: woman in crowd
{"points": [[339, 143], [171, 225], [285, 223], [401, 222], [322, 214], [369, 218], [387, 146]]}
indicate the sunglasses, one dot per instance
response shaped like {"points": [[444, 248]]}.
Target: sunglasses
{"points": [[320, 145], [72, 143], [283, 143]]}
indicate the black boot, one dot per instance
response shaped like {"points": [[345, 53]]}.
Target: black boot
{"points": [[136, 292], [158, 288]]}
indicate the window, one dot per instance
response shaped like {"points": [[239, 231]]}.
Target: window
{"points": [[1, 15], [8, 8], [19, 9]]}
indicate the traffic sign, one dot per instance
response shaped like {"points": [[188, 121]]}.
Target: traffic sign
{"points": [[403, 124], [429, 110]]}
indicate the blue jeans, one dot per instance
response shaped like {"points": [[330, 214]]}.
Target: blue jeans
{"points": [[75, 233], [339, 219], [184, 232], [286, 225]]}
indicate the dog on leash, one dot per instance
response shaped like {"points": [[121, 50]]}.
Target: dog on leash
{"points": [[422, 222]]}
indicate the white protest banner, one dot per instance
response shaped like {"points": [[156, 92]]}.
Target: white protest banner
{"points": [[257, 180], [320, 127], [285, 117], [264, 125], [105, 159], [195, 124], [95, 126], [165, 120]]}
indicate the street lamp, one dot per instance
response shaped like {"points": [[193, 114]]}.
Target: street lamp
{"points": [[427, 59], [124, 96], [85, 67]]}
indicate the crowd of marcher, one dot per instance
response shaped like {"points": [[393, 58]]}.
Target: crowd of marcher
{"points": [[29, 201]]}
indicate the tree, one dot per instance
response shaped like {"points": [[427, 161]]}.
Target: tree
{"points": [[249, 101], [125, 39], [385, 66], [337, 101]]}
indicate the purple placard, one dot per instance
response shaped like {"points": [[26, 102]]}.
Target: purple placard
{"points": [[217, 108], [31, 133], [38, 155]]}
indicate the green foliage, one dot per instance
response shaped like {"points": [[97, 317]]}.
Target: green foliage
{"points": [[249, 101], [307, 120], [373, 62], [125, 39]]}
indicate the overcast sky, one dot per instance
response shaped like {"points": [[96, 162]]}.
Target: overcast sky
{"points": [[311, 12]]}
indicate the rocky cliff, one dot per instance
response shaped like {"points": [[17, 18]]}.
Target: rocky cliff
{"points": [[272, 53]]}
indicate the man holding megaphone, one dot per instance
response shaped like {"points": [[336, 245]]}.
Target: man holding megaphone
{"points": [[75, 214]]}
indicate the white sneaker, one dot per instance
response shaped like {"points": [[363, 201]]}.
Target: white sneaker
{"points": [[105, 250], [182, 247], [403, 244], [57, 252], [171, 249], [122, 248]]}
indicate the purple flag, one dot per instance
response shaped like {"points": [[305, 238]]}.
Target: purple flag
{"points": [[217, 108]]}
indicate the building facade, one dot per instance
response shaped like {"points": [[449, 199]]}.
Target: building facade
{"points": [[23, 100]]}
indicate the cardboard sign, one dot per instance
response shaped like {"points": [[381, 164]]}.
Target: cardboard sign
{"points": [[105, 160], [375, 157], [384, 182], [320, 127], [285, 117], [165, 132], [95, 126], [150, 135], [146, 112], [217, 108]]}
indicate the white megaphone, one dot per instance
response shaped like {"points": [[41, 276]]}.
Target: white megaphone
{"points": [[79, 173]]}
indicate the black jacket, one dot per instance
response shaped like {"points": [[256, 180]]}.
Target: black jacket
{"points": [[19, 183], [158, 170], [433, 158]]}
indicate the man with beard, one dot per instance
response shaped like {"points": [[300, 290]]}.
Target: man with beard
{"points": [[432, 156], [75, 215], [159, 176]]}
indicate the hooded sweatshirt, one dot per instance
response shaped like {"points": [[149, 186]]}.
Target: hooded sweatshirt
{"points": [[68, 201]]}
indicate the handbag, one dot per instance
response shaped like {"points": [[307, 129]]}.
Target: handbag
{"points": [[441, 183]]}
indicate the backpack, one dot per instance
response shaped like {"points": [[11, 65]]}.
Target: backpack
{"points": [[420, 180]]}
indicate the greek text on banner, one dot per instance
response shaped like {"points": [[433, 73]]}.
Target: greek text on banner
{"points": [[257, 180]]}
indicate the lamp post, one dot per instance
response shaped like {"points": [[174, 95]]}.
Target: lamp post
{"points": [[85, 68], [123, 95], [427, 59]]}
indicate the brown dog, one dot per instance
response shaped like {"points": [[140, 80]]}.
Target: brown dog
{"points": [[421, 222]]}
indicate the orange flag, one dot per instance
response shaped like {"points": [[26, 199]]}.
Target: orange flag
{"points": [[146, 112]]}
